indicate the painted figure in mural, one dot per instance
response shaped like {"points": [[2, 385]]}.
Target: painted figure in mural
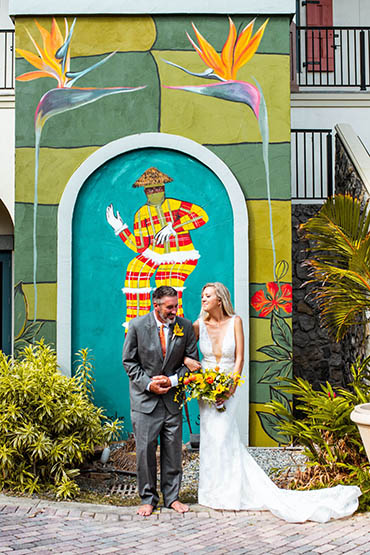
{"points": [[153, 357], [162, 240], [229, 477]]}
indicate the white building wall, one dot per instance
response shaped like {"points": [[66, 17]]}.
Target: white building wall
{"points": [[5, 21], [325, 110], [354, 13]]}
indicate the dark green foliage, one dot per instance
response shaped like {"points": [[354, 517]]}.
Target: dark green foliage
{"points": [[331, 440], [48, 423]]}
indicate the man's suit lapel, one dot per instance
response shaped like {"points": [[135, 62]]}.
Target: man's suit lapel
{"points": [[170, 342], [153, 333]]}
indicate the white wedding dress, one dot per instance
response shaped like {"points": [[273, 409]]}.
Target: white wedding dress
{"points": [[230, 478]]}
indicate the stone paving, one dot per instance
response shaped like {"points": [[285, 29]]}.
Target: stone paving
{"points": [[34, 526]]}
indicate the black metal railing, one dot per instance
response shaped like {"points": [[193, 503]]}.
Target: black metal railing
{"points": [[333, 57], [6, 59], [312, 164]]}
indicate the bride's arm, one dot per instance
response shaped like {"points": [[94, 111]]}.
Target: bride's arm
{"points": [[239, 350], [193, 365], [239, 345]]}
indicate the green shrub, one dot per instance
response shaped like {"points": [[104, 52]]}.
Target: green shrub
{"points": [[331, 440], [48, 423]]}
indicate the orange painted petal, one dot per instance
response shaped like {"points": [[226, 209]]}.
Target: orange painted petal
{"points": [[287, 307], [258, 300], [227, 54], [251, 48], [48, 54], [31, 58], [286, 292], [56, 37], [213, 58], [266, 311], [272, 288], [44, 33], [243, 40], [196, 47], [31, 75]]}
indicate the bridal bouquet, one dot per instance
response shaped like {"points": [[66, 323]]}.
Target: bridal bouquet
{"points": [[210, 386]]}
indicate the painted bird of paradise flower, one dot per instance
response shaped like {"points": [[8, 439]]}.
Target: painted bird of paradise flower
{"points": [[236, 52], [53, 59]]}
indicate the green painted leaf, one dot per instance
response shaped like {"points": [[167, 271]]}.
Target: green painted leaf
{"points": [[281, 332], [20, 310], [275, 352], [31, 330], [278, 396], [275, 370], [269, 423]]}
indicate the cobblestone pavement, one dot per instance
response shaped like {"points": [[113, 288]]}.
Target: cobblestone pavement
{"points": [[35, 526]]}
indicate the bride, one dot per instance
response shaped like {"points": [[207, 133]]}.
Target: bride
{"points": [[229, 477]]}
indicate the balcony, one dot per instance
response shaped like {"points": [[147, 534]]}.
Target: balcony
{"points": [[7, 76], [312, 165], [335, 57]]}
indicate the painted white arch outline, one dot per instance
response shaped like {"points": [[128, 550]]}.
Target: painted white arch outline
{"points": [[65, 218]]}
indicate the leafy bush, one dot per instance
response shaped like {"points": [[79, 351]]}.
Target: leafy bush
{"points": [[331, 440], [48, 423]]}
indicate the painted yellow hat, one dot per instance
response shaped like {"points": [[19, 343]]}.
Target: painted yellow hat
{"points": [[152, 177]]}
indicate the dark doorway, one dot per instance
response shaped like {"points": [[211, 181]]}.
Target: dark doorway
{"points": [[5, 301]]}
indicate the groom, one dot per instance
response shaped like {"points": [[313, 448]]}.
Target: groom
{"points": [[153, 355]]}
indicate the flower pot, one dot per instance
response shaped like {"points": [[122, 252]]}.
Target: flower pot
{"points": [[361, 416]]}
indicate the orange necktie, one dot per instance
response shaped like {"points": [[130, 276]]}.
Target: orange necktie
{"points": [[163, 340]]}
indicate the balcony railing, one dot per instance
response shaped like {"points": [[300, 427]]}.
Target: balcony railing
{"points": [[312, 166], [6, 59], [333, 57]]}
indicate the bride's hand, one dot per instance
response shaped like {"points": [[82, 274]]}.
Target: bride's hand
{"points": [[231, 392], [192, 364]]}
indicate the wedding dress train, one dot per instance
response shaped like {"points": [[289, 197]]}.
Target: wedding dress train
{"points": [[230, 478]]}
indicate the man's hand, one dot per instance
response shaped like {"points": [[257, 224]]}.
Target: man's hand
{"points": [[164, 234], [115, 222], [160, 385]]}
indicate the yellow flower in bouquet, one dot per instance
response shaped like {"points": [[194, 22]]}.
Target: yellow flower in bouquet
{"points": [[211, 386]]}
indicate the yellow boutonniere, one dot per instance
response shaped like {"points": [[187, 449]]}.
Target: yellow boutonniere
{"points": [[177, 331]]}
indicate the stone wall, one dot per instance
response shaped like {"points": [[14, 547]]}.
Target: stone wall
{"points": [[347, 179], [316, 357]]}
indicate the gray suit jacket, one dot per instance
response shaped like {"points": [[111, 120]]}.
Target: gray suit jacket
{"points": [[142, 359]]}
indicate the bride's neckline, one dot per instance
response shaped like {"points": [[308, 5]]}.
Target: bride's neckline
{"points": [[222, 340]]}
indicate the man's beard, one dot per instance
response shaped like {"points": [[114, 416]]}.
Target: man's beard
{"points": [[166, 320]]}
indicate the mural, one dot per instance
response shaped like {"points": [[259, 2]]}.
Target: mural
{"points": [[162, 240], [238, 49], [53, 60], [227, 89], [101, 259]]}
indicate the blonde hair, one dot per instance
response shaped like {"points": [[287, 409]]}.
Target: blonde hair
{"points": [[223, 294]]}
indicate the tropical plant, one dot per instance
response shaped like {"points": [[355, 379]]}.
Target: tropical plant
{"points": [[48, 424], [339, 265], [330, 439]]}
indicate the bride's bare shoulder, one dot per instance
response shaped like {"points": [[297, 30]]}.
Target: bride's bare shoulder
{"points": [[196, 327]]}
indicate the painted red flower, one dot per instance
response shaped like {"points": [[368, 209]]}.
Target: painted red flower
{"points": [[277, 297]]}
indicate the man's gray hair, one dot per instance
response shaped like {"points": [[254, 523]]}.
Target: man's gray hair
{"points": [[163, 291]]}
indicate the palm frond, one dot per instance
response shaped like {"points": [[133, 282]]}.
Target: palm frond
{"points": [[339, 266]]}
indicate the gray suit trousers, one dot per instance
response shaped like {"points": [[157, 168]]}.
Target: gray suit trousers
{"points": [[147, 428]]}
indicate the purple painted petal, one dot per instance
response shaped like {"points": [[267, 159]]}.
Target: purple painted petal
{"points": [[61, 100], [235, 91]]}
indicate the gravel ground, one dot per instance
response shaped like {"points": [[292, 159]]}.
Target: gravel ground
{"points": [[270, 459], [112, 478]]}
